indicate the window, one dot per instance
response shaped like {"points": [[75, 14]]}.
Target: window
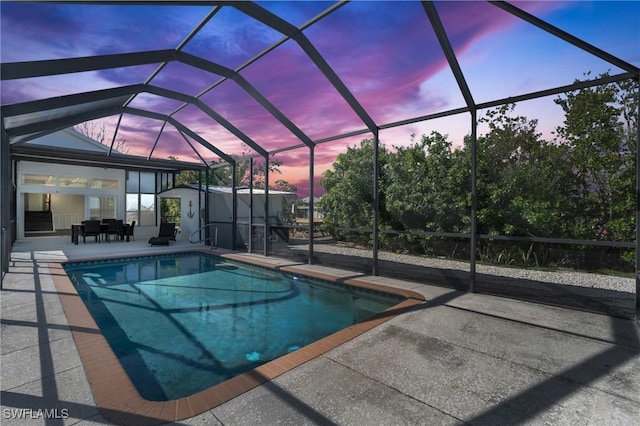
{"points": [[73, 181], [142, 209], [147, 209], [133, 181], [141, 198], [42, 180], [102, 207], [148, 183], [105, 184], [165, 181], [133, 207]]}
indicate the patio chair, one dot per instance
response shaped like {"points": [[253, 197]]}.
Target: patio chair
{"points": [[104, 227], [91, 228], [116, 229], [166, 234], [129, 231]]}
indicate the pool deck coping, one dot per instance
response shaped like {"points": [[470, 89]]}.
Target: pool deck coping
{"points": [[118, 400]]}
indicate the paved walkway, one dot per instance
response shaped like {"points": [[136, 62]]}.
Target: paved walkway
{"points": [[458, 358]]}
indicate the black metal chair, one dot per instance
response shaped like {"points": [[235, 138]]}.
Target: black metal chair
{"points": [[116, 229], [130, 229], [104, 226], [91, 228]]}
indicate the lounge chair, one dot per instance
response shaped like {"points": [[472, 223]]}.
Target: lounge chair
{"points": [[166, 234], [90, 228]]}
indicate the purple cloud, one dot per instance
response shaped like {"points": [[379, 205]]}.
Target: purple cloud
{"points": [[39, 26], [296, 13], [155, 103], [231, 38], [244, 112], [294, 85], [23, 90], [184, 78], [71, 30]]}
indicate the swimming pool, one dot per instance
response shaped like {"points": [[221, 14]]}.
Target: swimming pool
{"points": [[185, 322]]}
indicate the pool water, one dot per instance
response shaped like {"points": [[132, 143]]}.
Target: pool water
{"points": [[182, 323]]}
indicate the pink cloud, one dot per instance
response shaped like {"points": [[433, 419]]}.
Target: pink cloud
{"points": [[294, 85], [184, 78], [244, 112]]}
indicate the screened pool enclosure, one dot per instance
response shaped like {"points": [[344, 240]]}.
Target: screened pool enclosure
{"points": [[478, 134]]}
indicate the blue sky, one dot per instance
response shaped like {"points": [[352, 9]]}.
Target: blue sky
{"points": [[385, 53]]}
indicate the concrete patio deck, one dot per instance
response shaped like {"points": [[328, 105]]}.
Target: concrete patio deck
{"points": [[458, 358]]}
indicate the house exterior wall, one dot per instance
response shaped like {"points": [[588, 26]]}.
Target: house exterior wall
{"points": [[302, 212], [71, 209], [71, 191]]}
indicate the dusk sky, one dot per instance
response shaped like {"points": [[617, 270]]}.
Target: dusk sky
{"points": [[384, 52]]}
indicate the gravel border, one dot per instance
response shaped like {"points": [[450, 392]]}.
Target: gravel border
{"points": [[570, 278]]}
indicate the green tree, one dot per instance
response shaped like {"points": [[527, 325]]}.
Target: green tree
{"points": [[222, 175], [170, 210], [428, 190], [187, 177], [348, 198], [599, 130], [282, 185], [218, 176], [623, 223], [523, 180], [429, 186]]}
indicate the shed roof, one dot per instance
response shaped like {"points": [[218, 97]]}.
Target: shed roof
{"points": [[229, 190]]}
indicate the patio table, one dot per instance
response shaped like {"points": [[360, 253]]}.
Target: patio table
{"points": [[76, 231]]}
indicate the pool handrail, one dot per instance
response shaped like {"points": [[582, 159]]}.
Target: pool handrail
{"points": [[214, 242]]}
